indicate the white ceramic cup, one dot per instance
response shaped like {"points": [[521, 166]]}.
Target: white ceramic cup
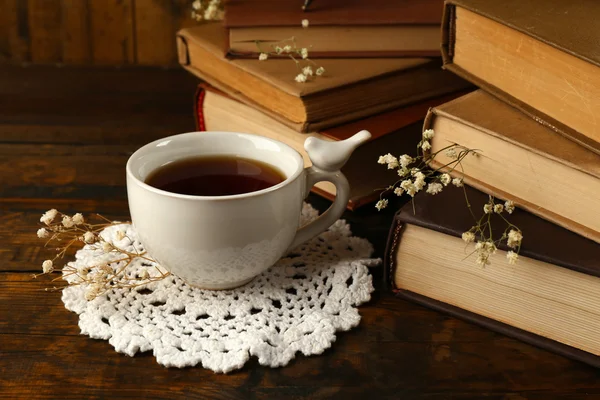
{"points": [[222, 242]]}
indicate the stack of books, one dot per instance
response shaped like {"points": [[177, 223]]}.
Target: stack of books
{"points": [[536, 125], [382, 65]]}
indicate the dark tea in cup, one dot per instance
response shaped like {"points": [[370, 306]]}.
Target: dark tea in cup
{"points": [[222, 175]]}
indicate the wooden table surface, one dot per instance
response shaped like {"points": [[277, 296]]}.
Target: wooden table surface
{"points": [[65, 135]]}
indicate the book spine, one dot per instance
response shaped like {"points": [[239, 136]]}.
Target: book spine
{"points": [[183, 56], [199, 109], [448, 30], [391, 249], [502, 328]]}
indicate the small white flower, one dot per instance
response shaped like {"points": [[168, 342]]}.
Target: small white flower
{"points": [[451, 153], [47, 266], [498, 208], [512, 257], [414, 171], [300, 78], [445, 179], [287, 48], [263, 56], [403, 171], [468, 237], [196, 5], [320, 71], [409, 187], [434, 188], [308, 71], [514, 238], [488, 208], [428, 134], [305, 23], [89, 237], [479, 246], [120, 235], [426, 145], [419, 184], [49, 216], [390, 160], [419, 180], [211, 11], [405, 160], [78, 219], [304, 53], [490, 247], [83, 272], [381, 204], [509, 206], [68, 222], [384, 159], [278, 49], [457, 182], [107, 247], [398, 191], [43, 233]]}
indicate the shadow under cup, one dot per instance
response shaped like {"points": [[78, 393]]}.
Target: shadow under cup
{"points": [[216, 242]]}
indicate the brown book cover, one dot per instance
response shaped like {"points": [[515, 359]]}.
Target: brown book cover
{"points": [[351, 88], [571, 27], [396, 130], [381, 20], [244, 13], [539, 149], [543, 241]]}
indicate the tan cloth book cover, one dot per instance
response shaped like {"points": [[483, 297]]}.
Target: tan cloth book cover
{"points": [[541, 56]]}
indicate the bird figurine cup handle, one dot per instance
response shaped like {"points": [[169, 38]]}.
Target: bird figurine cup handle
{"points": [[327, 159]]}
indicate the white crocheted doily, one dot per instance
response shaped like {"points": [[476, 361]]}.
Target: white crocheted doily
{"points": [[295, 306]]}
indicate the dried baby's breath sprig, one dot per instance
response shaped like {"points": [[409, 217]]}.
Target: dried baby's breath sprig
{"points": [[416, 174], [69, 231], [207, 10], [307, 69]]}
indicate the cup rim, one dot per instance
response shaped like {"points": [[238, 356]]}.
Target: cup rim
{"points": [[285, 182]]}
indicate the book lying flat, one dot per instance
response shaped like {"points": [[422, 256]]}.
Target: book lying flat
{"points": [[397, 131], [338, 28], [541, 56], [521, 160], [350, 89], [550, 298]]}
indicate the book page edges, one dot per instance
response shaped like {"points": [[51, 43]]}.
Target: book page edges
{"points": [[500, 327]]}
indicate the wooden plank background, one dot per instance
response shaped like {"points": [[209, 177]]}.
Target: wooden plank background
{"points": [[92, 32]]}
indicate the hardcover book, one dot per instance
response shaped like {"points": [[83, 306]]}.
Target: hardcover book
{"points": [[550, 298], [521, 160], [398, 129], [349, 90], [349, 28], [541, 56]]}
